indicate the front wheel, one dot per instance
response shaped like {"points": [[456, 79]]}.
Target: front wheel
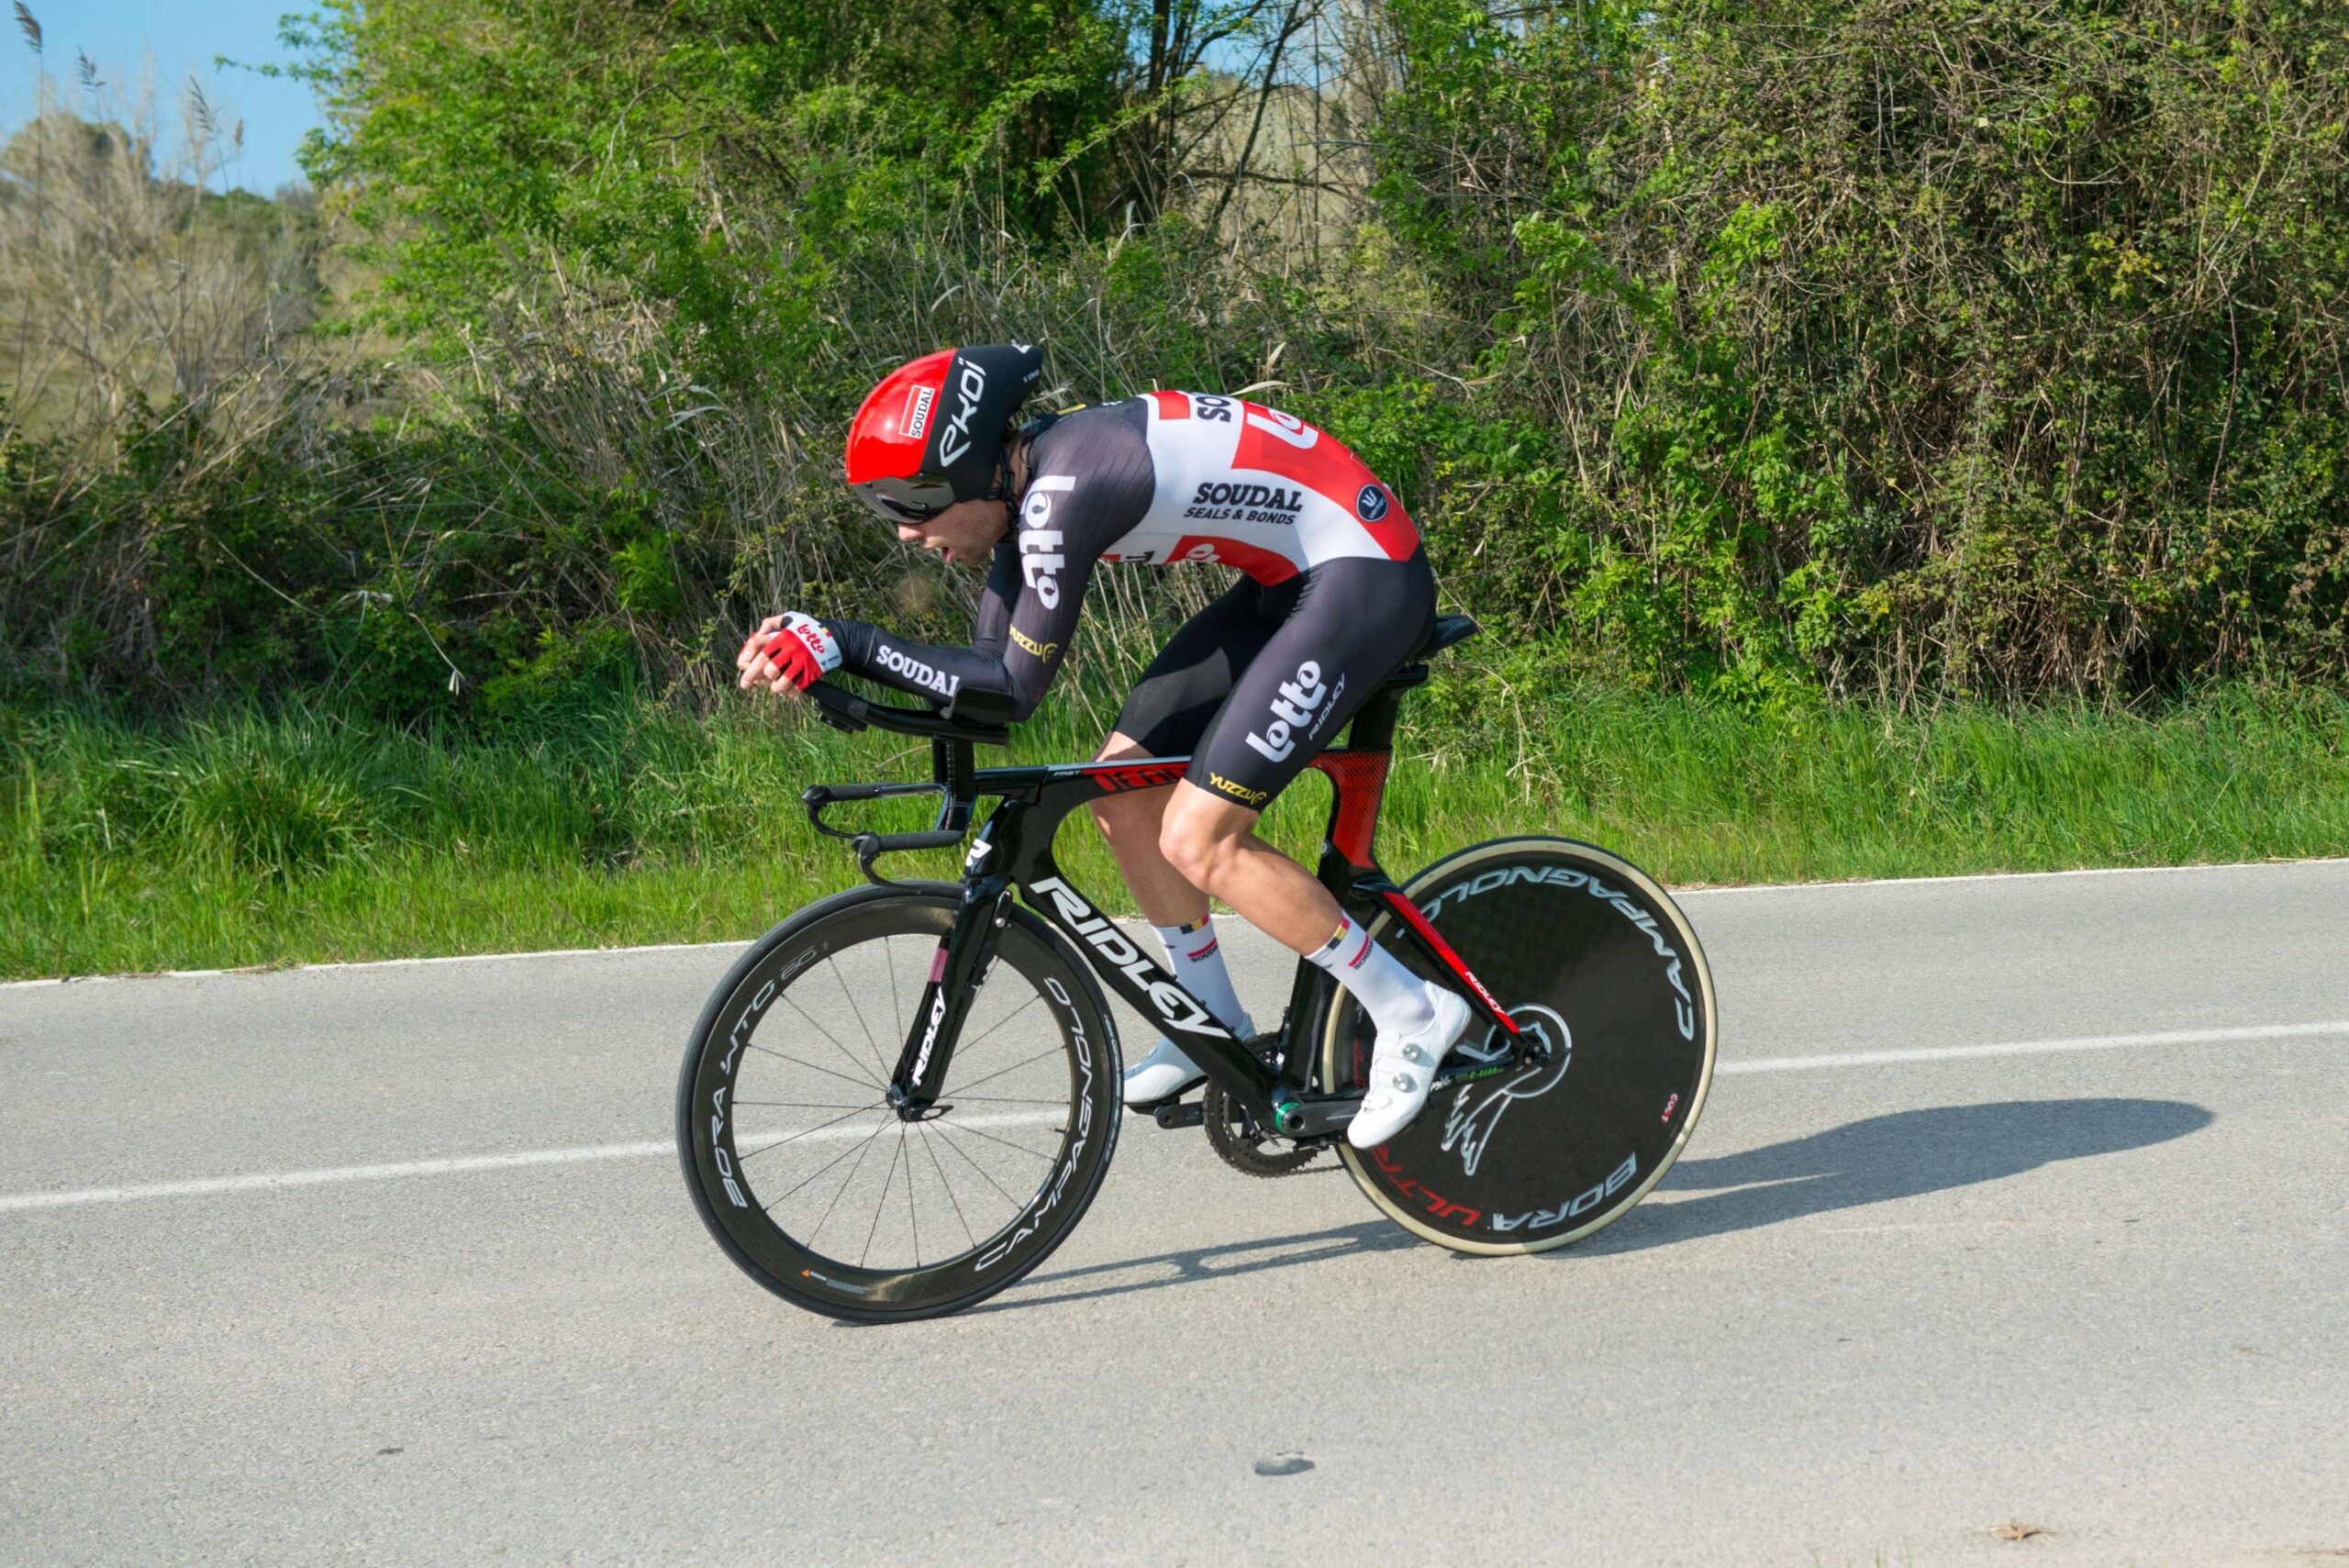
{"points": [[1590, 956], [808, 1177]]}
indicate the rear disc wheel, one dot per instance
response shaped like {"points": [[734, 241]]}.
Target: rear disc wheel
{"points": [[1589, 954]]}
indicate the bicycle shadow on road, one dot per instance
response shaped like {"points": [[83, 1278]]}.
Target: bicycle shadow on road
{"points": [[1883, 1158], [1224, 1260], [1874, 1161]]}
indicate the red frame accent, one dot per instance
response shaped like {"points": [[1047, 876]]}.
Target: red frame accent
{"points": [[1358, 783], [1443, 950], [1139, 773]]}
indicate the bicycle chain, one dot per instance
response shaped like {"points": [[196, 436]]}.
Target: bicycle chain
{"points": [[1232, 1133]]}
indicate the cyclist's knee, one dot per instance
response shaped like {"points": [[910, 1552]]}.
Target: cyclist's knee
{"points": [[1199, 834], [1129, 818]]}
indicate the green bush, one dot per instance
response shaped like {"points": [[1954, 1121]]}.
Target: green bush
{"points": [[1775, 353]]}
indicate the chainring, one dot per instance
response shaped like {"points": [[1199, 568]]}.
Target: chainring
{"points": [[1232, 1133]]}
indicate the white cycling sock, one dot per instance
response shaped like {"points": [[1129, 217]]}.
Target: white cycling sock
{"points": [[1196, 958], [1396, 1000]]}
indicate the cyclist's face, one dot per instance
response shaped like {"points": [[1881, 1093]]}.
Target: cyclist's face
{"points": [[964, 533]]}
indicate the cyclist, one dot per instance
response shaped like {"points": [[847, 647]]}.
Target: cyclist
{"points": [[1335, 594]]}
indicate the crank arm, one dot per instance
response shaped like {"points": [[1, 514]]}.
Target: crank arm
{"points": [[1314, 1115]]}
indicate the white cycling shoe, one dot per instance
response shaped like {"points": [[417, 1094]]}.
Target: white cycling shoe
{"points": [[1167, 1071], [1402, 1071]]}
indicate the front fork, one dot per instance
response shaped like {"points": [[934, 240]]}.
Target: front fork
{"points": [[955, 970]]}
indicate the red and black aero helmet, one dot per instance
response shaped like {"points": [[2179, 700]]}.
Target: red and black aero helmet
{"points": [[932, 432]]}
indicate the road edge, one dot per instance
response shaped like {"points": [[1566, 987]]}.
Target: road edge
{"points": [[1698, 890]]}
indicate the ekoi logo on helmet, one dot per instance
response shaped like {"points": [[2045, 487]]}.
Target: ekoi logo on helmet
{"points": [[931, 433], [970, 386]]}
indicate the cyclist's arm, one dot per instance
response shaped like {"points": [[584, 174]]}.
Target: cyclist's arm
{"points": [[1017, 645]]}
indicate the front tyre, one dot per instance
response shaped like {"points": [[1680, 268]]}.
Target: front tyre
{"points": [[805, 1174], [1587, 951]]}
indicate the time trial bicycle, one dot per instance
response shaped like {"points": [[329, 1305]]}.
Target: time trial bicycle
{"points": [[903, 1097]]}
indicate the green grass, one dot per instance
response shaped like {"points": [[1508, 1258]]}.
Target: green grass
{"points": [[252, 839]]}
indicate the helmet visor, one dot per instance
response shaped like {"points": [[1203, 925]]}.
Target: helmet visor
{"points": [[914, 500]]}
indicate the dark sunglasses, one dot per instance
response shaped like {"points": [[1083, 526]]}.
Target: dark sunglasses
{"points": [[915, 500]]}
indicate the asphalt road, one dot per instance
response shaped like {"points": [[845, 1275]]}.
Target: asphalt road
{"points": [[421, 1284]]}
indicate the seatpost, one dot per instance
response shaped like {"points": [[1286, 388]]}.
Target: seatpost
{"points": [[1374, 726]]}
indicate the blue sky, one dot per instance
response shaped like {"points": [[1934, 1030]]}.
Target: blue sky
{"points": [[169, 40]]}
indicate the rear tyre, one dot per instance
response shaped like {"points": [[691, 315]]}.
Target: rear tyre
{"points": [[809, 1178], [1584, 948]]}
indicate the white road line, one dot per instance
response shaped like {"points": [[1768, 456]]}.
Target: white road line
{"points": [[1703, 892], [1679, 893], [375, 963], [269, 1180], [2033, 1048]]}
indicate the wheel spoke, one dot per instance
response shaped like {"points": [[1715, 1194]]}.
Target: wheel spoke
{"points": [[974, 1165], [820, 1126], [841, 981], [991, 1137], [912, 1225], [853, 1060], [897, 1009], [768, 1207], [882, 1205], [1033, 997], [1013, 1068], [923, 1129], [786, 1056], [862, 1151]]}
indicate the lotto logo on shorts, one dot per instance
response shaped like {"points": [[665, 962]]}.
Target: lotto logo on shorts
{"points": [[1292, 710], [1371, 505]]}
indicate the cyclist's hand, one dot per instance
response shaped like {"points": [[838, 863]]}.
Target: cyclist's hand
{"points": [[787, 654]]}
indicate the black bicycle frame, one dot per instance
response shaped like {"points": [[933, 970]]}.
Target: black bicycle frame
{"points": [[1013, 852]]}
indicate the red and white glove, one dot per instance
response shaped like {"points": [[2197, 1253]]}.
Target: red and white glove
{"points": [[802, 652]]}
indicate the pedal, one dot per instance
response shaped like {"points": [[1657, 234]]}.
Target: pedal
{"points": [[1174, 1116]]}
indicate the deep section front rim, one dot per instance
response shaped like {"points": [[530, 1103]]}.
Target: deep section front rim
{"points": [[809, 1178], [1589, 953]]}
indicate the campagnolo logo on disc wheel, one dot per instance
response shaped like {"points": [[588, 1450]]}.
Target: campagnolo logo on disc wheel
{"points": [[1477, 1106]]}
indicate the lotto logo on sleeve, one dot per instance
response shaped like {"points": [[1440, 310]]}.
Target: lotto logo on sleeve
{"points": [[1040, 558], [1372, 503]]}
